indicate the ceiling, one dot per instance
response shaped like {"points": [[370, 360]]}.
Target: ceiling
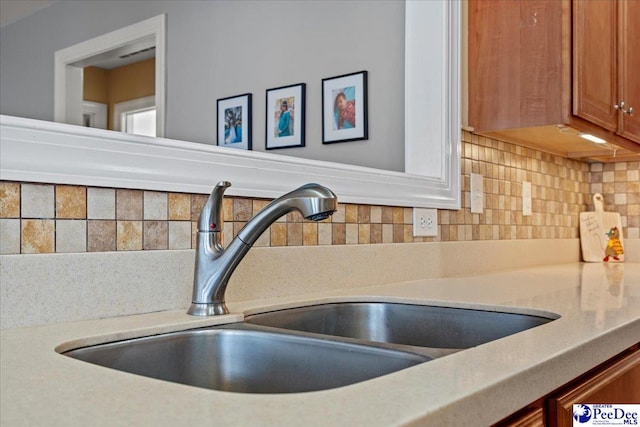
{"points": [[14, 10], [135, 51]]}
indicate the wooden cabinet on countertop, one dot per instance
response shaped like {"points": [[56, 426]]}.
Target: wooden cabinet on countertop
{"points": [[540, 72]]}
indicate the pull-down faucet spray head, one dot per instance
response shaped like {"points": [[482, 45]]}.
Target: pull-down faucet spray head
{"points": [[215, 264]]}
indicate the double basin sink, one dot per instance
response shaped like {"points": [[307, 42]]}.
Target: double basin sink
{"points": [[308, 348]]}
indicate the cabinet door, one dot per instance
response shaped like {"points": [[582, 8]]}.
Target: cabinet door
{"points": [[515, 63], [618, 383], [594, 54], [629, 62]]}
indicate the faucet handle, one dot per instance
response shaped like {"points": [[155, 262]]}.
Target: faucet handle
{"points": [[211, 218]]}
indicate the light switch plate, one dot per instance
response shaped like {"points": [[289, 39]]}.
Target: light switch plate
{"points": [[477, 194], [425, 222]]}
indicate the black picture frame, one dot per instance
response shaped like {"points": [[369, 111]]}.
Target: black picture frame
{"points": [[234, 122], [345, 108], [285, 117]]}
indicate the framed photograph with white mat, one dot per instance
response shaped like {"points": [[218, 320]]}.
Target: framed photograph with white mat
{"points": [[285, 117], [234, 122], [344, 108]]}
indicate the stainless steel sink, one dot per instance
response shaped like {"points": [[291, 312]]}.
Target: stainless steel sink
{"points": [[434, 331], [308, 348], [238, 359]]}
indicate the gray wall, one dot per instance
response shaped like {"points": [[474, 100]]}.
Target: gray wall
{"points": [[217, 49]]}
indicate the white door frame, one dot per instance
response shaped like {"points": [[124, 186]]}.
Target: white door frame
{"points": [[99, 112], [68, 78]]}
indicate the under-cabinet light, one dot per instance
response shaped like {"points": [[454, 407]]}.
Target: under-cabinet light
{"points": [[593, 138]]}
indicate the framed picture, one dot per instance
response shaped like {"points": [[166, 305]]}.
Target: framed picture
{"points": [[234, 122], [344, 108], [285, 117]]}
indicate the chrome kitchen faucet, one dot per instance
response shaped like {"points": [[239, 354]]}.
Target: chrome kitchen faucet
{"points": [[215, 264]]}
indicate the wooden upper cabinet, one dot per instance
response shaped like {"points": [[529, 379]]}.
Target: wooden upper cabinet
{"points": [[629, 63], [595, 80], [514, 63], [606, 51], [540, 72]]}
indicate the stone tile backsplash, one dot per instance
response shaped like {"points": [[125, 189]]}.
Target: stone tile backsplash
{"points": [[619, 183], [46, 218]]}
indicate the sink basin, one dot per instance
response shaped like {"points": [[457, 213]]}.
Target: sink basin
{"points": [[437, 330], [239, 359]]}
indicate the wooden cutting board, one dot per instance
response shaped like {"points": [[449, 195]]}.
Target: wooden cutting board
{"points": [[601, 234]]}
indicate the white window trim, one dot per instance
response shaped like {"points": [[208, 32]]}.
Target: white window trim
{"points": [[133, 105]]}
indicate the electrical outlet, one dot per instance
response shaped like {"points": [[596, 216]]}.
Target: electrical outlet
{"points": [[526, 198], [477, 194], [425, 222]]}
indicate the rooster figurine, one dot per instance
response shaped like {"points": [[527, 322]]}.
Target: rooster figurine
{"points": [[614, 246]]}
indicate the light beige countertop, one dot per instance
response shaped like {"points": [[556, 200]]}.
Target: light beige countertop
{"points": [[598, 305]]}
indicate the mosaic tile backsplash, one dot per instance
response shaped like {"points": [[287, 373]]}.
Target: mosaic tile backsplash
{"points": [[47, 218], [619, 183]]}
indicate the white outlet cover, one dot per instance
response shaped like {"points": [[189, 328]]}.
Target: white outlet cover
{"points": [[425, 222]]}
